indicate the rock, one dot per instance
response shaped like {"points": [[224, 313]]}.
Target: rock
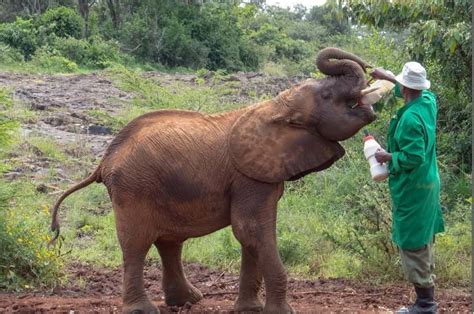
{"points": [[79, 115], [99, 130], [12, 175], [231, 78], [42, 188], [55, 121], [250, 75], [39, 106]]}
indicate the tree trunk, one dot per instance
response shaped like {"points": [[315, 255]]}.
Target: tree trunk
{"points": [[84, 11], [114, 8]]}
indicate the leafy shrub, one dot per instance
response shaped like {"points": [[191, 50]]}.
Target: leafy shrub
{"points": [[51, 61], [21, 35], [102, 53], [76, 50], [93, 53], [9, 55], [63, 22], [25, 260], [179, 48]]}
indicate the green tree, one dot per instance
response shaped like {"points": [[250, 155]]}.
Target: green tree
{"points": [[63, 22], [437, 34], [333, 15], [21, 35]]}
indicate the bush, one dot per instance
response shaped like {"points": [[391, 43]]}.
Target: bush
{"points": [[26, 261], [93, 53], [63, 22], [20, 35], [102, 53], [9, 55], [179, 48], [51, 61]]}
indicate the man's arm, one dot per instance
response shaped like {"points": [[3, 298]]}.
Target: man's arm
{"points": [[411, 144], [382, 74]]}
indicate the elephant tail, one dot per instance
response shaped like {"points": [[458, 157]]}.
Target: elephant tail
{"points": [[94, 177]]}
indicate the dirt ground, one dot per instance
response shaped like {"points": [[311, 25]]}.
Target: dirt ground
{"points": [[62, 104], [97, 290]]}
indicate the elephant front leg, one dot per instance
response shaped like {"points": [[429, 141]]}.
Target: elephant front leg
{"points": [[250, 284], [178, 290], [275, 278], [253, 217]]}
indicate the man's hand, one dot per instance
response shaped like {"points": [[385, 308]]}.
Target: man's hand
{"points": [[382, 74], [382, 156]]}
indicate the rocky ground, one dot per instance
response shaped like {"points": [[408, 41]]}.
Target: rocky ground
{"points": [[62, 105]]}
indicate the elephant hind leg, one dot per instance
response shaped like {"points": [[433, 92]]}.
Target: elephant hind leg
{"points": [[178, 290], [136, 236]]}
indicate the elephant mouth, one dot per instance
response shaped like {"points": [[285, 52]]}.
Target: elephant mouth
{"points": [[365, 111]]}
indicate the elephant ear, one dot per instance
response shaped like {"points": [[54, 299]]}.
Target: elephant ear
{"points": [[269, 145]]}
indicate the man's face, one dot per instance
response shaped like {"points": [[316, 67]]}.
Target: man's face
{"points": [[404, 91]]}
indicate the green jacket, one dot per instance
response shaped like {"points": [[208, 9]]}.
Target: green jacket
{"points": [[414, 180]]}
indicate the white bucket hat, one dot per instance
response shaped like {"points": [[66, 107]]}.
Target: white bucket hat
{"points": [[413, 76]]}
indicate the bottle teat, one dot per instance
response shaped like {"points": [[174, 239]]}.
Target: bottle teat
{"points": [[367, 135]]}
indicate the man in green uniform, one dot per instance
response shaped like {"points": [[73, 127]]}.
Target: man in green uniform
{"points": [[414, 180]]}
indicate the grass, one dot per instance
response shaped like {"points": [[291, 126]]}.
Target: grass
{"points": [[46, 147]]}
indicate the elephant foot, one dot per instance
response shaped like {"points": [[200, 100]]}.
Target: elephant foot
{"points": [[280, 309], [179, 296], [142, 307], [246, 306]]}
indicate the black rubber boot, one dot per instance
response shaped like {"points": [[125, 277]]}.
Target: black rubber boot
{"points": [[424, 304]]}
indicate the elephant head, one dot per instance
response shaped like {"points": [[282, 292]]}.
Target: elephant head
{"points": [[298, 131]]}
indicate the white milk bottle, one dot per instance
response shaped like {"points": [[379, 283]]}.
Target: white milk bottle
{"points": [[378, 171], [383, 87]]}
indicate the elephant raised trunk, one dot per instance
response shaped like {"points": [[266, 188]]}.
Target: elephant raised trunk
{"points": [[335, 62]]}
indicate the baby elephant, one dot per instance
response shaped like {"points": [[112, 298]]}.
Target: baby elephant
{"points": [[173, 175]]}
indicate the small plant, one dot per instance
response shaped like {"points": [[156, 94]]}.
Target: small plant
{"points": [[47, 148]]}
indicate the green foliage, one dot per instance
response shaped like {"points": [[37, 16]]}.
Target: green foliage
{"points": [[20, 35], [179, 48], [92, 53], [50, 61], [8, 126], [25, 261], [62, 22], [149, 94], [454, 248], [46, 147], [90, 227], [9, 55], [438, 35], [333, 16]]}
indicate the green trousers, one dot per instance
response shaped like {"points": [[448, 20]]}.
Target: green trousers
{"points": [[418, 266]]}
